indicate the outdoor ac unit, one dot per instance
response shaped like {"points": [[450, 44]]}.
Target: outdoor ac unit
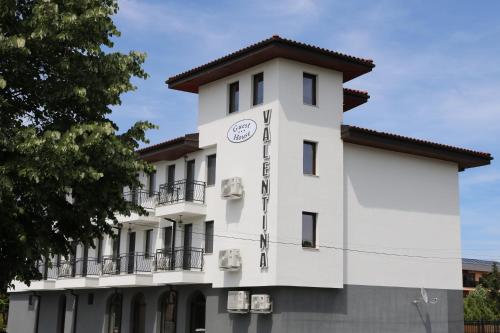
{"points": [[232, 188], [238, 301], [261, 303], [230, 260]]}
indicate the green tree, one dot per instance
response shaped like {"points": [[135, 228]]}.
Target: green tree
{"points": [[491, 282], [63, 162], [478, 306]]}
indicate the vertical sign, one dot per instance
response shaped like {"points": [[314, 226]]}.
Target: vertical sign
{"points": [[265, 189]]}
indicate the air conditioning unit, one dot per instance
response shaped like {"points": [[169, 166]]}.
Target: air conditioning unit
{"points": [[230, 260], [238, 301], [232, 188], [261, 303]]}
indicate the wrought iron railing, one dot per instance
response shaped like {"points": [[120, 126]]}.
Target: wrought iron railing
{"points": [[128, 263], [47, 270], [180, 191], [179, 259], [142, 198]]}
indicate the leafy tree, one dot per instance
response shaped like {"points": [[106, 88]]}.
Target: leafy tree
{"points": [[478, 306], [63, 163], [4, 310], [491, 282]]}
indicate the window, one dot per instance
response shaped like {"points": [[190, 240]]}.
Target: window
{"points": [[167, 238], [211, 162], [171, 174], [309, 89], [115, 313], [234, 97], [147, 247], [308, 229], [152, 183], [309, 158], [209, 237], [168, 312], [258, 89]]}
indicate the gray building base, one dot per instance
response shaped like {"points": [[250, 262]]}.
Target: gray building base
{"points": [[353, 309]]}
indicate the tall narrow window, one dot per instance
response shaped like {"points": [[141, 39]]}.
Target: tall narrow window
{"points": [[309, 158], [234, 97], [147, 245], [167, 238], [171, 174], [308, 229], [114, 313], [209, 237], [309, 89], [258, 89], [211, 163], [152, 183]]}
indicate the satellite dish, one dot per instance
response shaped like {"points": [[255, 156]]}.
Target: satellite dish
{"points": [[425, 297]]}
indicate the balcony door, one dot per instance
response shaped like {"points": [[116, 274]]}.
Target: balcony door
{"points": [[188, 240], [190, 180], [131, 252]]}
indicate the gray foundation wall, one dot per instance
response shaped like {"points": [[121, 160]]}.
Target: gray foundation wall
{"points": [[353, 309]]}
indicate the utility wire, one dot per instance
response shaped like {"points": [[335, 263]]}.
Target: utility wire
{"points": [[320, 246]]}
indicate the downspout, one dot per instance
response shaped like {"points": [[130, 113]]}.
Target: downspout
{"points": [[75, 309], [37, 316]]}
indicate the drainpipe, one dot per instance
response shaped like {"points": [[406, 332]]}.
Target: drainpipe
{"points": [[37, 316], [75, 309]]}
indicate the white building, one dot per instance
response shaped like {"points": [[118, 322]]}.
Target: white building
{"points": [[339, 227]]}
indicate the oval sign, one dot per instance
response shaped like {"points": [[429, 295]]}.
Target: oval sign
{"points": [[242, 130]]}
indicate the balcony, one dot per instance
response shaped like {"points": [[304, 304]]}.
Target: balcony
{"points": [[183, 197], [179, 266], [78, 273], [144, 199], [130, 269]]}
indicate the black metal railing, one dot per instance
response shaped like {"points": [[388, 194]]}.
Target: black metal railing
{"points": [[48, 270], [66, 269], [87, 267], [179, 259], [127, 263], [182, 190], [142, 198], [482, 326]]}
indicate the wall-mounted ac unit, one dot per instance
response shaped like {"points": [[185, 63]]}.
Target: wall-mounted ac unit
{"points": [[261, 303], [230, 260], [232, 188], [238, 301]]}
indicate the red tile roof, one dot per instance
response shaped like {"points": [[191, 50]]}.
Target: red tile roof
{"points": [[265, 50], [465, 158]]}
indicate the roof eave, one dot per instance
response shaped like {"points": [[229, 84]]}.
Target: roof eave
{"points": [[190, 81], [463, 158]]}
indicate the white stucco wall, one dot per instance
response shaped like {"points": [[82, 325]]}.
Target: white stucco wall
{"points": [[403, 204]]}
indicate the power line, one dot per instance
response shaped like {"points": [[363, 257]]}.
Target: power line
{"points": [[394, 254]]}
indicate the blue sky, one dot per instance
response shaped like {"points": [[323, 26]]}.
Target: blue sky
{"points": [[437, 73]]}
